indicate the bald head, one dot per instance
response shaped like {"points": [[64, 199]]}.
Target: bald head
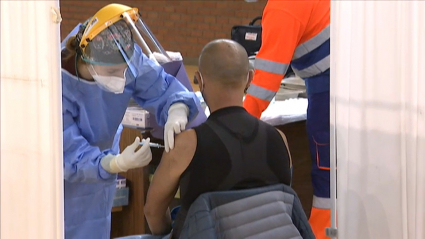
{"points": [[225, 62]]}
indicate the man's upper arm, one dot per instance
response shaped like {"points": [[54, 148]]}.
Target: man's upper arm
{"points": [[281, 33], [166, 178]]}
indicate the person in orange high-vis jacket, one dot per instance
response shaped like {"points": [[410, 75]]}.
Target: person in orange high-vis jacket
{"points": [[297, 34]]}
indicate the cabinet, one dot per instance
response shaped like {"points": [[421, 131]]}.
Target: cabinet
{"points": [[130, 220]]}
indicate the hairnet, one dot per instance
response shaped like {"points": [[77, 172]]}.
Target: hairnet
{"points": [[114, 45]]}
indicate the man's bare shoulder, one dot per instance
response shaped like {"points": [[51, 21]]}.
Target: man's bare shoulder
{"points": [[183, 152], [186, 140]]}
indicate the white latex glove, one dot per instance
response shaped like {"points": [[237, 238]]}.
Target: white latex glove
{"points": [[130, 158], [176, 123]]}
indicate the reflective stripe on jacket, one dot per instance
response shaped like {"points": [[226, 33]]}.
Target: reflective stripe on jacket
{"points": [[294, 33]]}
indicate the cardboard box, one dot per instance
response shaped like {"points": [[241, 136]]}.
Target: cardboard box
{"points": [[121, 182], [121, 197], [136, 117]]}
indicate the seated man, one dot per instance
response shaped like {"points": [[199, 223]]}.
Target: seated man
{"points": [[231, 150]]}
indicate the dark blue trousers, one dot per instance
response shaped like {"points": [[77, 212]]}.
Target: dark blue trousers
{"points": [[318, 129]]}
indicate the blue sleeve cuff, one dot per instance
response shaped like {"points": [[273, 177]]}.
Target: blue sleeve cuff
{"points": [[106, 175]]}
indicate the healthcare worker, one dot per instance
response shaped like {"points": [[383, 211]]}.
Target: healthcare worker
{"points": [[104, 65], [297, 33]]}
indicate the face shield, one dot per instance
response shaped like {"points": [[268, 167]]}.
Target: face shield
{"points": [[146, 39], [109, 43]]}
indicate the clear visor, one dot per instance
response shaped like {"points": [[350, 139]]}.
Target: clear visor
{"points": [[146, 39], [118, 70], [110, 53]]}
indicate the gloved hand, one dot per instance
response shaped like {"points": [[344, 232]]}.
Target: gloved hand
{"points": [[130, 158], [176, 123]]}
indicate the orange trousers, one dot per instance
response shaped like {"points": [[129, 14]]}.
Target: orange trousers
{"points": [[319, 220]]}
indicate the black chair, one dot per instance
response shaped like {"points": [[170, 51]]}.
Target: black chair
{"points": [[267, 212]]}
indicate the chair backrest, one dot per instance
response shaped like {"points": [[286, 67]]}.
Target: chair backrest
{"points": [[267, 212]]}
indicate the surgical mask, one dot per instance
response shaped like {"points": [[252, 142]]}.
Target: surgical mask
{"points": [[112, 84]]}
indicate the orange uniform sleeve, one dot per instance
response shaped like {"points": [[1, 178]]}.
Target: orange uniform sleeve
{"points": [[281, 33]]}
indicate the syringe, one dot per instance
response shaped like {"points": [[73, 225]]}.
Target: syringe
{"points": [[153, 145]]}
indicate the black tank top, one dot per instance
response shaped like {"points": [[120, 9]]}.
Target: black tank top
{"points": [[234, 150]]}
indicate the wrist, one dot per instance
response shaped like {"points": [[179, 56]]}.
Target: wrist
{"points": [[118, 161], [111, 163], [105, 172], [179, 106]]}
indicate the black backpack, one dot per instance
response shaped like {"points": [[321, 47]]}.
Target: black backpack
{"points": [[249, 36]]}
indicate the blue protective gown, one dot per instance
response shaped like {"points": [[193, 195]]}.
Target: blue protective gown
{"points": [[92, 128]]}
